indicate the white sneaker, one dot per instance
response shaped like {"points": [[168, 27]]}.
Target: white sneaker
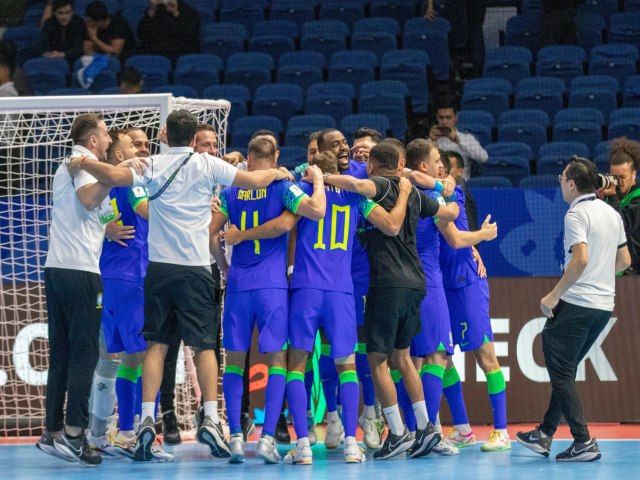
{"points": [[456, 439], [311, 430], [158, 453], [266, 449], [335, 433], [497, 441], [101, 444], [236, 444], [354, 454], [370, 429], [445, 449], [125, 445], [299, 456]]}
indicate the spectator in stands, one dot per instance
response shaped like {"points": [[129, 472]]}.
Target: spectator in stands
{"points": [[131, 81], [558, 22], [170, 28], [454, 167], [449, 137], [9, 52], [364, 139], [107, 33], [63, 34], [11, 13], [7, 67], [624, 194]]}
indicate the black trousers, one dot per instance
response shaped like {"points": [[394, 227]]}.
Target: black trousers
{"points": [[74, 307], [168, 385], [566, 339]]}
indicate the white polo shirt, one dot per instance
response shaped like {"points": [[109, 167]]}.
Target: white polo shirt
{"points": [[76, 234], [593, 222], [179, 218]]}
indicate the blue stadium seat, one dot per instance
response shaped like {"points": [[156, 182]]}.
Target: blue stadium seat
{"points": [[540, 92], [631, 92], [243, 128], [400, 10], [625, 28], [377, 34], [477, 122], [133, 11], [524, 115], [26, 39], [606, 8], [291, 157], [488, 94], [431, 37], [378, 24], [105, 79], [510, 63], [524, 31], [250, 68], [246, 13], [629, 128], [532, 6], [198, 70], [408, 66], [602, 148], [624, 114], [351, 123], [324, 36], [205, 9], [387, 97], [581, 131], [155, 69], [617, 60], [276, 27], [238, 95], [342, 89], [186, 91], [69, 91], [602, 99], [302, 68], [507, 159], [596, 81], [46, 74], [631, 5], [343, 10], [589, 29], [554, 156], [540, 181], [490, 181], [223, 39], [274, 45], [282, 100], [353, 66], [301, 126], [330, 98], [561, 61], [580, 114], [297, 12], [532, 134]]}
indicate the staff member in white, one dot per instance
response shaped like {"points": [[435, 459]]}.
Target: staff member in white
{"points": [[72, 280], [579, 306], [179, 294]]}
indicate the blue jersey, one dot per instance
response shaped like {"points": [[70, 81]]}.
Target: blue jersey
{"points": [[324, 247], [127, 263], [428, 245], [359, 259], [260, 263], [459, 269]]}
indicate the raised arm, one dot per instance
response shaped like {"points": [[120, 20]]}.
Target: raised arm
{"points": [[105, 173], [271, 229], [461, 239], [313, 207], [346, 182], [391, 222]]}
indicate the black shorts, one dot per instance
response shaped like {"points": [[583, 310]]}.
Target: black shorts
{"points": [[392, 318], [179, 301]]}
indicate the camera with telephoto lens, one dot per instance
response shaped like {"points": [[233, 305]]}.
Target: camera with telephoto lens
{"points": [[606, 181]]}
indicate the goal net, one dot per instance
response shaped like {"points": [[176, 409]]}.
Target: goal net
{"points": [[34, 138]]}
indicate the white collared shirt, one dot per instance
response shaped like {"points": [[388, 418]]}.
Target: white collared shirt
{"points": [[468, 147]]}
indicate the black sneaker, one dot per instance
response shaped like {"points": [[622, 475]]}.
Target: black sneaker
{"points": [[282, 434], [211, 434], [198, 417], [580, 452], [170, 428], [426, 439], [77, 449], [45, 444], [534, 441], [146, 436], [247, 426], [394, 445]]}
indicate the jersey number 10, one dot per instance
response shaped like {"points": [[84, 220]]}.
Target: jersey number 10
{"points": [[334, 243]]}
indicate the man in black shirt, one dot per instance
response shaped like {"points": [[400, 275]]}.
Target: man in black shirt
{"points": [[106, 33], [63, 34], [396, 290]]}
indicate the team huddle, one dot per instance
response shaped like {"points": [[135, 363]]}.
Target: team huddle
{"points": [[373, 252]]}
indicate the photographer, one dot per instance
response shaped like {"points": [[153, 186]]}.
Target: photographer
{"points": [[620, 190]]}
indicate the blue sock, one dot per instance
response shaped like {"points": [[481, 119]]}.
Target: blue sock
{"points": [[452, 389], [126, 386], [432, 386], [404, 401], [295, 398], [350, 396], [308, 381], [498, 397], [329, 378], [274, 396], [232, 386], [364, 374]]}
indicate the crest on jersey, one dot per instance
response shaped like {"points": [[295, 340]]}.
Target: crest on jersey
{"points": [[99, 300], [139, 192], [296, 190]]}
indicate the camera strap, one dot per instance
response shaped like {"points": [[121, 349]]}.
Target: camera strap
{"points": [[168, 182]]}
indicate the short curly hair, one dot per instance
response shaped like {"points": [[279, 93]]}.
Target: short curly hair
{"points": [[623, 151]]}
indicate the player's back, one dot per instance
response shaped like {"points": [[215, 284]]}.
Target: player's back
{"points": [[324, 248], [428, 245]]}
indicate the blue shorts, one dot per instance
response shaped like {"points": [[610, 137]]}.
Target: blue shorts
{"points": [[311, 309], [269, 307], [469, 312], [123, 316], [360, 296], [435, 334]]}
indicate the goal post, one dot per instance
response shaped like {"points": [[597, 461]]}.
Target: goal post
{"points": [[34, 139]]}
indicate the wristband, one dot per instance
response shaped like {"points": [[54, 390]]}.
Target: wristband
{"points": [[438, 187], [289, 269]]}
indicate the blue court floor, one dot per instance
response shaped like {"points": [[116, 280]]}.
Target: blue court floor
{"points": [[619, 460]]}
